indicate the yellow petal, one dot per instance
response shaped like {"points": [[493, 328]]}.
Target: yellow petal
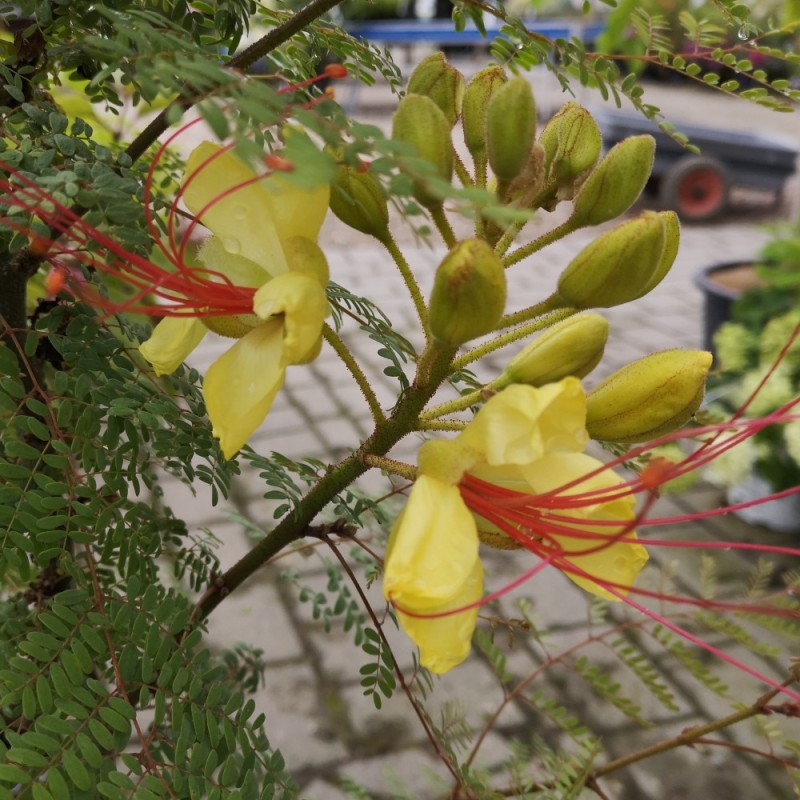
{"points": [[432, 549], [306, 256], [244, 218], [303, 303], [617, 562], [523, 423], [239, 270], [171, 342], [296, 211], [240, 386], [444, 642]]}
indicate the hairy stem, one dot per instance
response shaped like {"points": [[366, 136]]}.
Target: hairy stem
{"points": [[512, 336], [410, 281], [537, 244], [353, 367], [443, 226]]}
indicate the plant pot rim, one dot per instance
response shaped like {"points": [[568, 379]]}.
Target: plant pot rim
{"points": [[704, 278]]}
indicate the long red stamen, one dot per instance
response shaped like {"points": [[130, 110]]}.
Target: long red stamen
{"points": [[181, 290]]}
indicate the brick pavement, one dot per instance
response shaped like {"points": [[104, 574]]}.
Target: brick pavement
{"points": [[315, 708]]}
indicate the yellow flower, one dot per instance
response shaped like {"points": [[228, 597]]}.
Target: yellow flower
{"points": [[263, 245], [526, 444], [432, 567]]}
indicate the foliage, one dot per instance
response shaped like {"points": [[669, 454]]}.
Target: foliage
{"points": [[109, 683]]}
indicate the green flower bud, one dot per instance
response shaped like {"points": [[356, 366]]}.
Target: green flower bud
{"points": [[571, 142], [613, 185], [672, 241], [475, 110], [469, 293], [649, 397], [358, 200], [573, 346], [419, 122], [511, 125], [622, 264], [442, 82]]}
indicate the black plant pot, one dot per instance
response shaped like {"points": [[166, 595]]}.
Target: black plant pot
{"points": [[723, 284]]}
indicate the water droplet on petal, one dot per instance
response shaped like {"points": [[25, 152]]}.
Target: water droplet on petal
{"points": [[231, 244], [240, 212]]}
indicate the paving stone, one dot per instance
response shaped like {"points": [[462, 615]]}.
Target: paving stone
{"points": [[254, 613], [296, 720], [323, 790], [403, 774]]}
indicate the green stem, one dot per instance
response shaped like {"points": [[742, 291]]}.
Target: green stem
{"points": [[443, 226], [392, 466], [242, 61], [411, 282], [461, 170], [537, 244], [455, 425], [692, 734], [552, 303], [512, 336], [433, 367], [428, 418], [335, 341]]}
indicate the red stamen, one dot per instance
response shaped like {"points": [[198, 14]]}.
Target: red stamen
{"points": [[55, 280], [336, 71], [278, 163]]}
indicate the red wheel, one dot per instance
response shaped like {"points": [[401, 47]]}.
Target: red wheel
{"points": [[696, 187]]}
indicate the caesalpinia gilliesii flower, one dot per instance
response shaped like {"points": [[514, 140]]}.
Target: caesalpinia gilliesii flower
{"points": [[264, 239], [526, 440], [261, 278]]}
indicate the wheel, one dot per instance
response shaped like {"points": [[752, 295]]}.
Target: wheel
{"points": [[696, 187]]}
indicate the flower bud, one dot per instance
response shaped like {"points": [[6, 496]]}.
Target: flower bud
{"points": [[622, 264], [441, 82], [419, 122], [511, 125], [573, 346], [475, 110], [469, 293], [571, 142], [358, 200], [613, 185], [649, 397]]}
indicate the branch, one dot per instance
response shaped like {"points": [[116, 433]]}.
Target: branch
{"points": [[266, 44]]}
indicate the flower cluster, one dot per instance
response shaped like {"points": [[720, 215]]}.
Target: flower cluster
{"points": [[527, 443]]}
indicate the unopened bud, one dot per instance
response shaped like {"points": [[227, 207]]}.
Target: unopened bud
{"points": [[475, 110], [469, 293], [649, 397], [511, 125], [573, 346], [613, 185], [622, 264], [571, 142], [419, 122], [443, 83], [358, 200], [529, 181]]}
